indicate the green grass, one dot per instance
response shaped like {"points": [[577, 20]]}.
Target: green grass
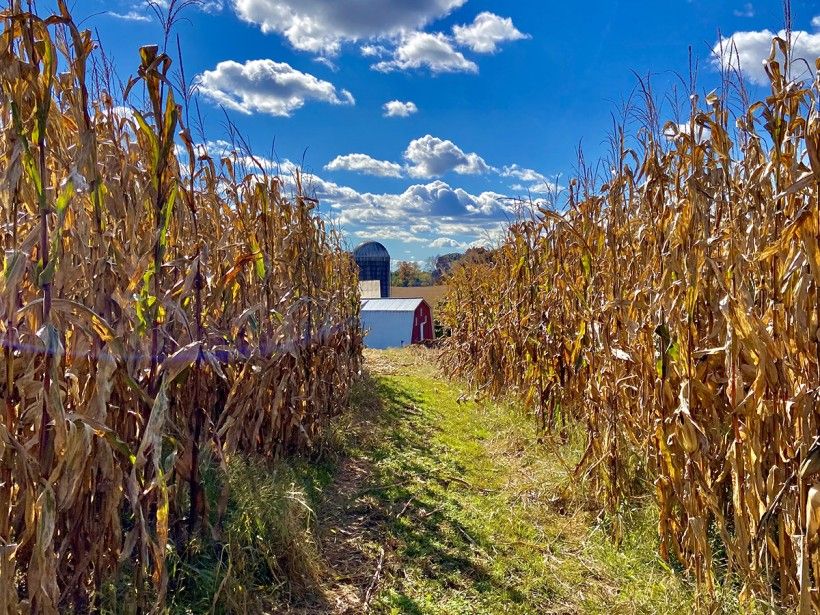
{"points": [[258, 553], [264, 551], [472, 511], [485, 529], [482, 518]]}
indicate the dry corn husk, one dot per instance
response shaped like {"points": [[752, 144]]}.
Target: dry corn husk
{"points": [[673, 313]]}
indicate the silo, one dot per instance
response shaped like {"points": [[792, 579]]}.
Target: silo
{"points": [[373, 260]]}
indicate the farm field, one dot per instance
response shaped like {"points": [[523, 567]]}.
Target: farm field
{"points": [[619, 414], [437, 504], [432, 294]]}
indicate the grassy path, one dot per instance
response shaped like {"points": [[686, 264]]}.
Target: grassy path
{"points": [[443, 505]]}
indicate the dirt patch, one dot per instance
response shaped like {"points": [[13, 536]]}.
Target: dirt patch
{"points": [[350, 538], [352, 525]]}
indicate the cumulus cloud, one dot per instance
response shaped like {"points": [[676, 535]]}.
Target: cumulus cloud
{"points": [[321, 26], [426, 157], [748, 51], [419, 203], [397, 108], [432, 51], [420, 213], [430, 156], [265, 86], [212, 6], [491, 204], [815, 22], [362, 163], [487, 32]]}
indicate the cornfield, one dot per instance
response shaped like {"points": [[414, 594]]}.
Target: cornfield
{"points": [[157, 307], [672, 310]]}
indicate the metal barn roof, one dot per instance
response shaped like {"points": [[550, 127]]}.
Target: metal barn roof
{"points": [[391, 305]]}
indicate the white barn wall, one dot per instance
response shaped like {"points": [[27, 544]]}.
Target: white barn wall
{"points": [[387, 329]]}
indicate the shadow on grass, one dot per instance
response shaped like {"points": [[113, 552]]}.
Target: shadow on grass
{"points": [[417, 491], [382, 480]]}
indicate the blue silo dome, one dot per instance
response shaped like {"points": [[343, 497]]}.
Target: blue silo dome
{"points": [[371, 250], [373, 260]]}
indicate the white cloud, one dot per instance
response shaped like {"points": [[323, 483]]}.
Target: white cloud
{"points": [[815, 21], [211, 6], [325, 61], [266, 86], [491, 204], [129, 16], [419, 213], [490, 237], [430, 156], [397, 108], [207, 6], [538, 182], [363, 163], [374, 51], [252, 162], [749, 50], [527, 175], [423, 213], [448, 242], [122, 111], [421, 203], [321, 26], [702, 133], [748, 10], [426, 157], [432, 51], [454, 228], [381, 232], [487, 32]]}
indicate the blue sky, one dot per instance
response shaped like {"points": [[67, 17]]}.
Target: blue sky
{"points": [[419, 120]]}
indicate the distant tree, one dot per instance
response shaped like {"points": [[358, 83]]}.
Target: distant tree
{"points": [[408, 273], [444, 263]]}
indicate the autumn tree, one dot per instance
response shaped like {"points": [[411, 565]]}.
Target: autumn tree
{"points": [[409, 273]]}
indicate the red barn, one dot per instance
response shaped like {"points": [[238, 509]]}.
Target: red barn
{"points": [[391, 323]]}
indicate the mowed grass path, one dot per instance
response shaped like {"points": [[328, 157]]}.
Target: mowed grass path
{"points": [[445, 505]]}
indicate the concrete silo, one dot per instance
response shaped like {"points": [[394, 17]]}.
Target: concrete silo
{"points": [[373, 260]]}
